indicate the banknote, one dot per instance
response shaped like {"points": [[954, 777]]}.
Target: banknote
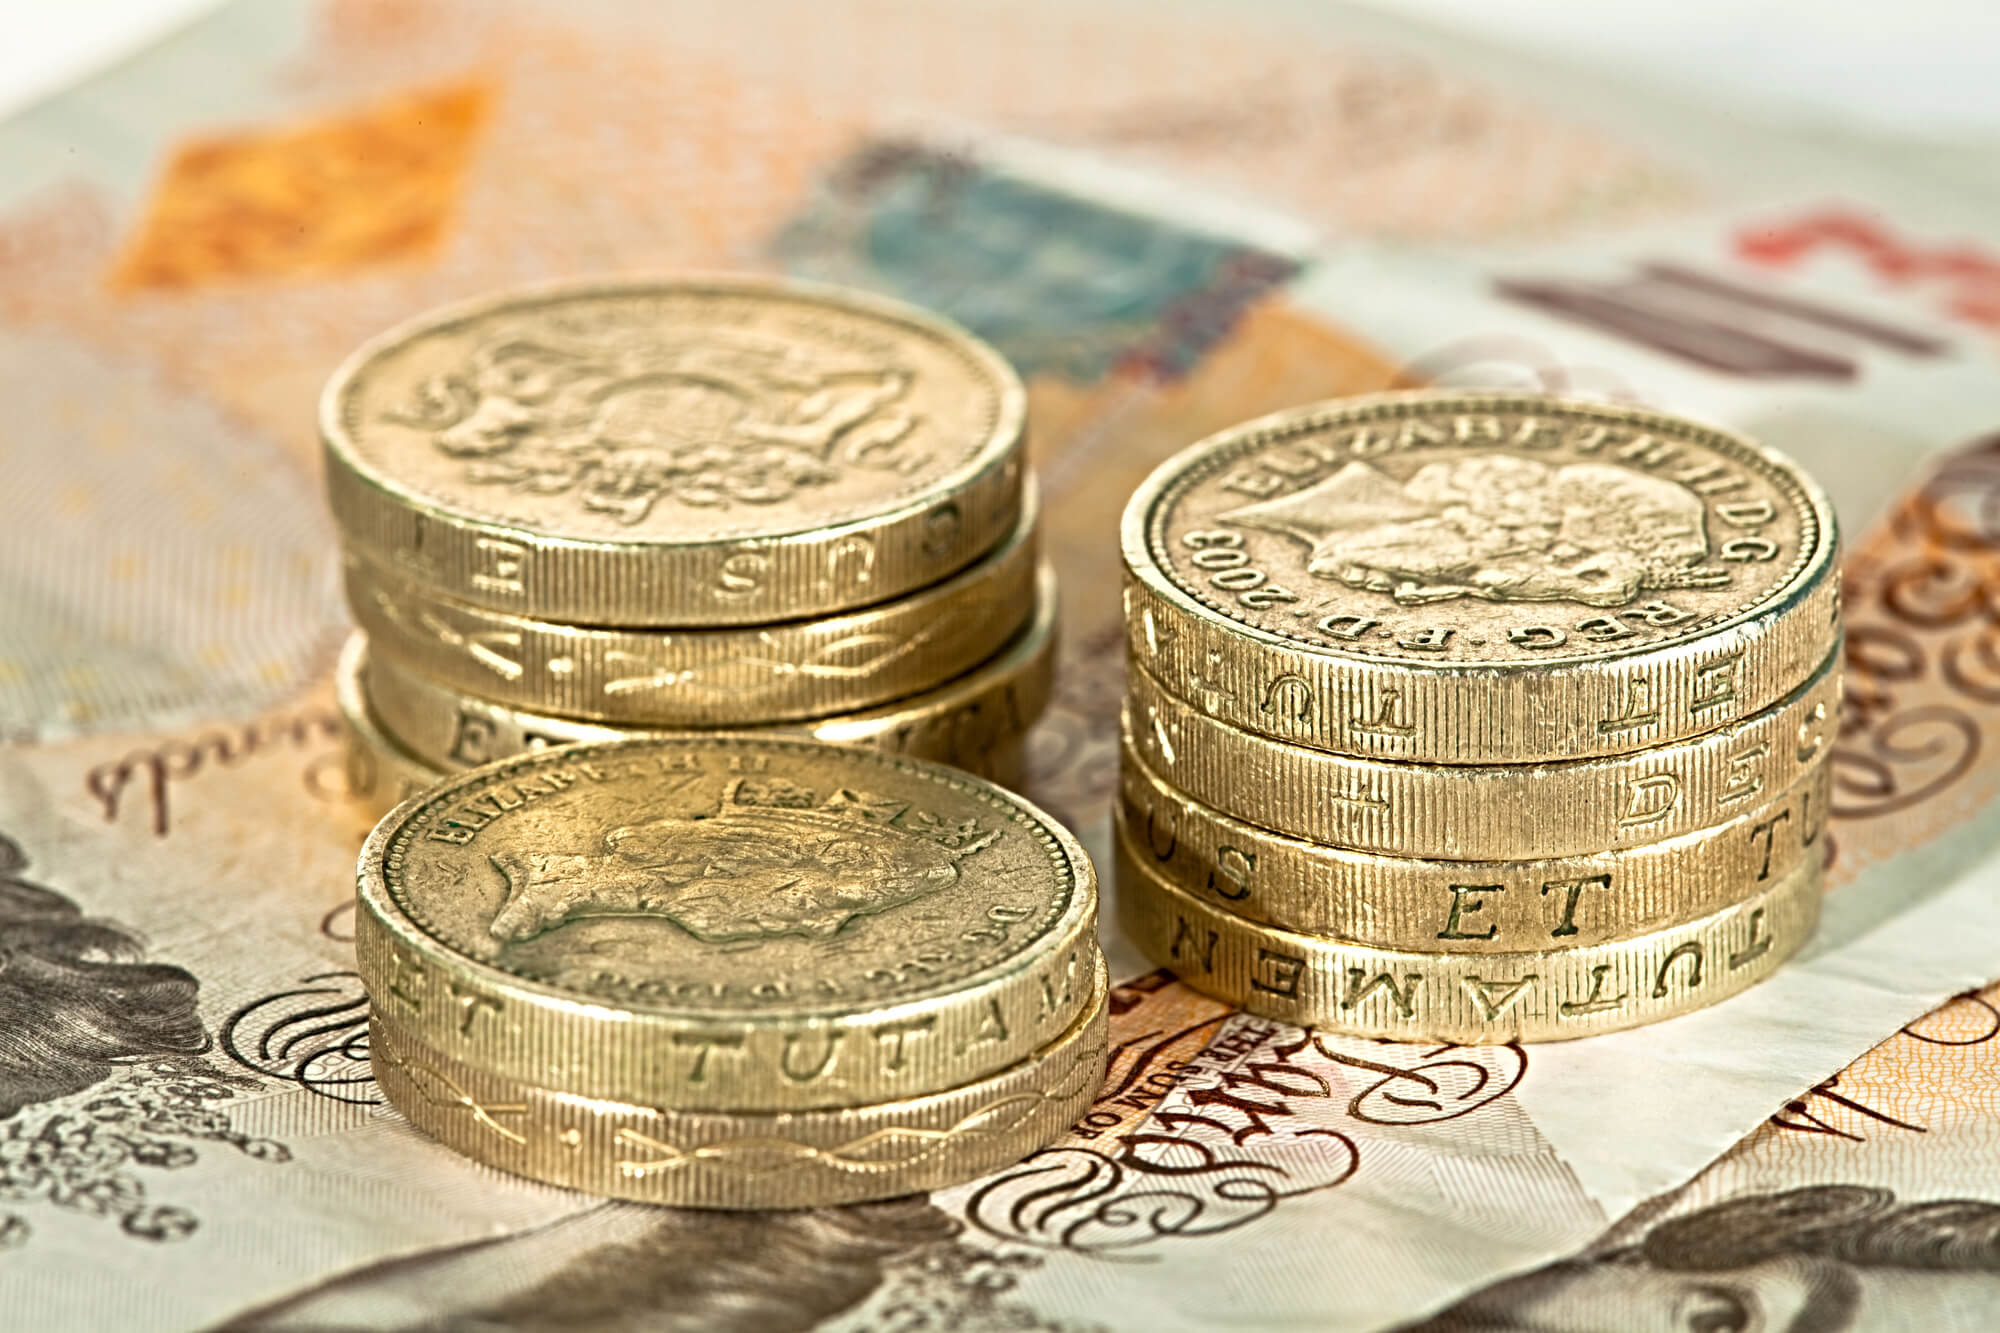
{"points": [[1908, 776], [1868, 1202], [1171, 219], [188, 1112]]}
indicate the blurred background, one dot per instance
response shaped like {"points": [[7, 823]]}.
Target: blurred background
{"points": [[1771, 215], [1922, 68]]}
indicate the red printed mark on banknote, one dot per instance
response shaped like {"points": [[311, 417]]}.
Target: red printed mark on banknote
{"points": [[1964, 274]]}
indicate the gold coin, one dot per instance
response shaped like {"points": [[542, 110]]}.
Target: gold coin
{"points": [[706, 677], [1454, 577], [786, 1159], [1394, 902], [727, 922], [696, 451], [975, 722], [1497, 812], [1551, 995], [380, 773]]}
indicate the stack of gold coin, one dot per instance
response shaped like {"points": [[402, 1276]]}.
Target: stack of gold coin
{"points": [[1476, 717], [732, 971], [597, 511]]}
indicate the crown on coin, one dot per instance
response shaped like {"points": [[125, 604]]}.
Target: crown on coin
{"points": [[846, 806]]}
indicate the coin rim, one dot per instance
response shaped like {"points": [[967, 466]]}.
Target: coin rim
{"points": [[1017, 557], [357, 718], [1026, 662], [377, 897], [1142, 526], [1283, 808], [1002, 440], [1384, 881], [1086, 1037], [1140, 890]]}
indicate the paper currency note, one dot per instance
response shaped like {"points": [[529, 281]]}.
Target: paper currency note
{"points": [[1902, 786], [188, 1113], [1257, 1139], [1869, 1202], [1171, 222]]}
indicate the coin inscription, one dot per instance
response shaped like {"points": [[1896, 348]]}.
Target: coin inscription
{"points": [[721, 676], [1421, 995], [1491, 906], [1481, 529], [1479, 812], [730, 1158], [975, 721]]}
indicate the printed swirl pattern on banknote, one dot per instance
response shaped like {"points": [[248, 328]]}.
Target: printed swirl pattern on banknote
{"points": [[1924, 650]]}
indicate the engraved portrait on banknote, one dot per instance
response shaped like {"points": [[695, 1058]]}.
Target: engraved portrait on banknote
{"points": [[1830, 1258], [1210, 1121], [106, 1079], [1868, 1202], [626, 1268]]}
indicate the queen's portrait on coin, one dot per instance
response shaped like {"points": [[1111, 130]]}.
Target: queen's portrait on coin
{"points": [[1499, 528], [749, 872]]}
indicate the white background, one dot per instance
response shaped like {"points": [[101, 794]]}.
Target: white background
{"points": [[1927, 68]]}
